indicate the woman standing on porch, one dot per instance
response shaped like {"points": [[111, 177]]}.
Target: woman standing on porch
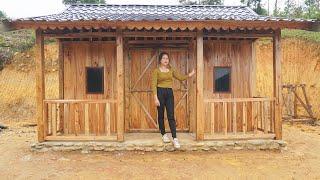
{"points": [[162, 80]]}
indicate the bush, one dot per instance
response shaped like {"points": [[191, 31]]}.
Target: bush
{"points": [[14, 41]]}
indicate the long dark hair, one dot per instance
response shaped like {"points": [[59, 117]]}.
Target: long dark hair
{"points": [[161, 55]]}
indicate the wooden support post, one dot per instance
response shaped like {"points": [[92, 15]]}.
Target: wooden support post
{"points": [[295, 103], [244, 117], [212, 118], [61, 85], [40, 91], [309, 107], [225, 117], [86, 120], [54, 119], [120, 86], [277, 83], [234, 117], [199, 91], [253, 73], [107, 119]]}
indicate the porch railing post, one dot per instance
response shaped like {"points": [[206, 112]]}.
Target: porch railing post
{"points": [[199, 87], [120, 86], [40, 90]]}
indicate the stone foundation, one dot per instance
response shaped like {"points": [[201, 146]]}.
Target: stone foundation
{"points": [[86, 147]]}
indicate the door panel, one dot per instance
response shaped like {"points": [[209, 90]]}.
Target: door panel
{"points": [[142, 111]]}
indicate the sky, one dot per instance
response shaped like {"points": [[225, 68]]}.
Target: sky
{"points": [[29, 8]]}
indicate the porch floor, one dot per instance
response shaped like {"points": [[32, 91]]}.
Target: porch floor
{"points": [[155, 138], [153, 142]]}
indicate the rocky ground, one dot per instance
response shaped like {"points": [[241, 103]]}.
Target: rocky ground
{"points": [[300, 160]]}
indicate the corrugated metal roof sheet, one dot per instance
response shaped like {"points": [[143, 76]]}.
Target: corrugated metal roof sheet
{"points": [[83, 12]]}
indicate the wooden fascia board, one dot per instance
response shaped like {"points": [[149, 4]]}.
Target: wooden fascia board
{"points": [[306, 25]]}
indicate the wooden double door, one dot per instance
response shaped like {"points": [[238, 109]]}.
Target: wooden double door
{"points": [[141, 112]]}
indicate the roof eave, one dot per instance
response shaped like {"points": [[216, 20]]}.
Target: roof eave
{"points": [[315, 26], [6, 26], [166, 24]]}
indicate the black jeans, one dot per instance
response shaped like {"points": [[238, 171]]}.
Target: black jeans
{"points": [[166, 98]]}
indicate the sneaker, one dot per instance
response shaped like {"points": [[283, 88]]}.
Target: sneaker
{"points": [[176, 143], [165, 138]]}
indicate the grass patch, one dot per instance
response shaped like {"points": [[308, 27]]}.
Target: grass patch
{"points": [[301, 34]]}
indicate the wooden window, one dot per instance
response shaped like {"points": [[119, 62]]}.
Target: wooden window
{"points": [[94, 78], [222, 79]]}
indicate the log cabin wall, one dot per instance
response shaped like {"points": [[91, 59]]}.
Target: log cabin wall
{"points": [[239, 56], [78, 56]]}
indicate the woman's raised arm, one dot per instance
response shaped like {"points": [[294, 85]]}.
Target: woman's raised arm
{"points": [[177, 75]]}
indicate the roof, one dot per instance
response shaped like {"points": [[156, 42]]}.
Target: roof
{"points": [[159, 17], [83, 12]]}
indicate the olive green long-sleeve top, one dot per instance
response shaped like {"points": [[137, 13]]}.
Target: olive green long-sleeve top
{"points": [[165, 79]]}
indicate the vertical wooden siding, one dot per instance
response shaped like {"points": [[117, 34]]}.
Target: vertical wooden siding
{"points": [[78, 56], [238, 56]]}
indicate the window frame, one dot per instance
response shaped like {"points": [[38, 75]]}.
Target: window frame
{"points": [[214, 80], [103, 78]]}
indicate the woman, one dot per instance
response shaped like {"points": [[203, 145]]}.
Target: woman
{"points": [[162, 80]]}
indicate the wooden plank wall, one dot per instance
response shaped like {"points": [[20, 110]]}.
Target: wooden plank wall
{"points": [[78, 56], [238, 56]]}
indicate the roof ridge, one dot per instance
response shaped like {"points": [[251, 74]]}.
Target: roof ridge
{"points": [[181, 5], [252, 11]]}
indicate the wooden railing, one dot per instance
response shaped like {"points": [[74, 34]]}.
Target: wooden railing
{"points": [[79, 119], [237, 118]]}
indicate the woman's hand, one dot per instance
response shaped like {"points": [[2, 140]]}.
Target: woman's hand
{"points": [[157, 102], [192, 73]]}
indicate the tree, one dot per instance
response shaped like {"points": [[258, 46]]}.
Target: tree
{"points": [[2, 14], [255, 5], [275, 10], [312, 9], [84, 1], [292, 10], [201, 2]]}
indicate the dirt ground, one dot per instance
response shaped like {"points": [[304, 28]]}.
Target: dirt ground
{"points": [[300, 161]]}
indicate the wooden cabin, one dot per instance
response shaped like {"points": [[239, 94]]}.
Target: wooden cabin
{"points": [[107, 54]]}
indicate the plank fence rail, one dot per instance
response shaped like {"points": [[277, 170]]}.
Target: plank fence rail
{"points": [[233, 118], [78, 119]]}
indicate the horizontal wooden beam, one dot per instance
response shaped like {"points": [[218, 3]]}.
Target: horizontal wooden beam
{"points": [[182, 25], [80, 101], [82, 35], [159, 42], [158, 34], [171, 46], [86, 42], [238, 35], [239, 99]]}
